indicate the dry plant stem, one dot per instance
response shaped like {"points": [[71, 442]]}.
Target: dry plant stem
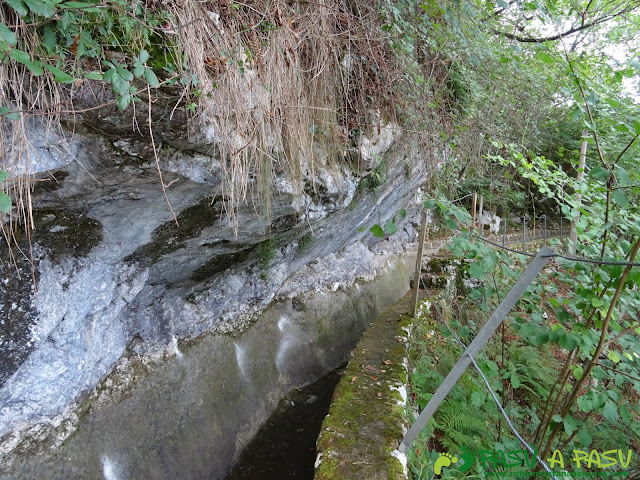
{"points": [[624, 150], [56, 112], [637, 379], [155, 155], [621, 334], [549, 412], [586, 104], [594, 360], [608, 203]]}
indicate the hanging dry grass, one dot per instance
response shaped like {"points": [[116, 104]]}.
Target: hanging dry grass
{"points": [[275, 80], [30, 96], [273, 75]]}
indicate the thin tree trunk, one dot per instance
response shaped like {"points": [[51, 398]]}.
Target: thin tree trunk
{"points": [[573, 235]]}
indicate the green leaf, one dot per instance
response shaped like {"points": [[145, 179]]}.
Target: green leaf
{"points": [[41, 7], [599, 173], [138, 69], [429, 204], [621, 127], [94, 76], [578, 371], [151, 78], [570, 424], [5, 203], [124, 73], [3, 175], [613, 356], [85, 6], [402, 213], [625, 414], [49, 39], [451, 223], [620, 197], [123, 101], [464, 332], [568, 341], [120, 85], [610, 411], [35, 68], [20, 56], [377, 231], [545, 57], [24, 58], [476, 270], [515, 380], [623, 176], [18, 6], [6, 112], [557, 418], [144, 56], [390, 227], [108, 75], [7, 35], [478, 399], [59, 75], [585, 403], [584, 438], [492, 365]]}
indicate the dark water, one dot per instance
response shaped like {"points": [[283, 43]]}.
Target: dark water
{"points": [[285, 447]]}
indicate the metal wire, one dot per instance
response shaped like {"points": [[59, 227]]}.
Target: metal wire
{"points": [[595, 261], [500, 246]]}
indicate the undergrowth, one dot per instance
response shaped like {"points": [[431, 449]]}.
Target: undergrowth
{"points": [[521, 363]]}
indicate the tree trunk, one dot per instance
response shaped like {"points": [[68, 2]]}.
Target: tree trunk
{"points": [[573, 235]]}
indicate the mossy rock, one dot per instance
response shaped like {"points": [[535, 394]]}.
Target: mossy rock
{"points": [[66, 233], [365, 421], [169, 237]]}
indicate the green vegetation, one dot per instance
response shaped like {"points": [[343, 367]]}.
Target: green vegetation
{"points": [[566, 372], [266, 255], [5, 200], [365, 417], [374, 179], [566, 362], [305, 242]]}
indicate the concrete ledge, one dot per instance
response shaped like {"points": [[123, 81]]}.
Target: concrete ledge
{"points": [[366, 421]]}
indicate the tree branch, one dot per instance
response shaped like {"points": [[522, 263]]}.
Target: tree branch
{"points": [[583, 26]]}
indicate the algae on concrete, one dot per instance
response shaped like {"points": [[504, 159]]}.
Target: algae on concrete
{"points": [[366, 420]]}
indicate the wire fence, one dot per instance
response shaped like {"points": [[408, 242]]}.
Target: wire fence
{"points": [[504, 414], [481, 338], [483, 335], [522, 229], [594, 261]]}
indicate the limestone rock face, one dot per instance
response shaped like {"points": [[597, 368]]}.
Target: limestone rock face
{"points": [[124, 300]]}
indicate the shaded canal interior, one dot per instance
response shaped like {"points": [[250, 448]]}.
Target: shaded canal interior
{"points": [[285, 447]]}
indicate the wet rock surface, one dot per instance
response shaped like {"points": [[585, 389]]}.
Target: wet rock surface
{"points": [[109, 275], [285, 447]]}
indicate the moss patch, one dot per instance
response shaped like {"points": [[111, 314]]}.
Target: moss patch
{"points": [[66, 233], [365, 422], [169, 237], [220, 263]]}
